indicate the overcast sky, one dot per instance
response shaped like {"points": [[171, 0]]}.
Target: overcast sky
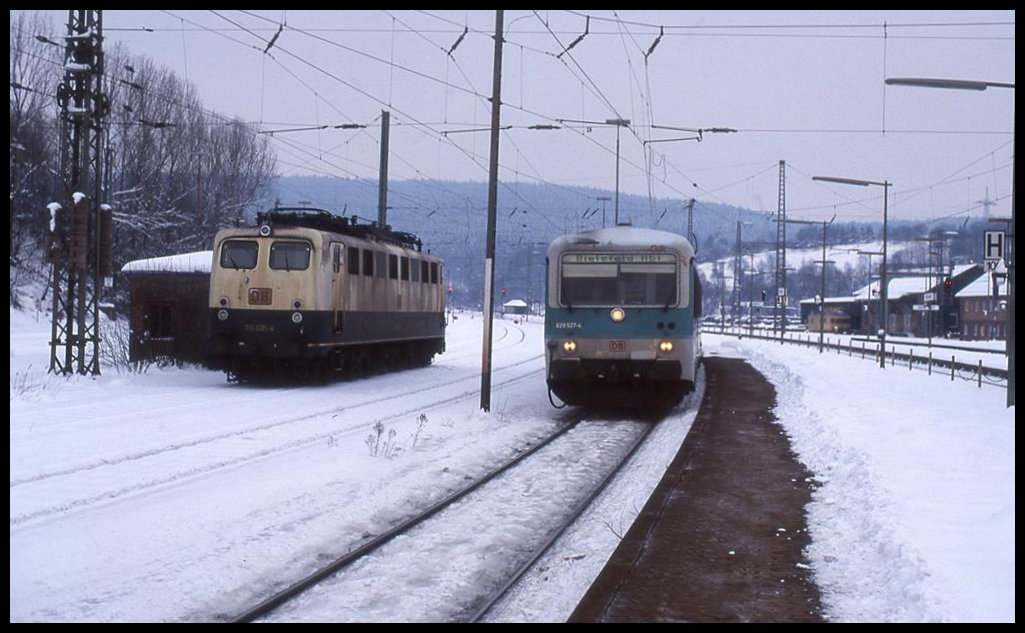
{"points": [[804, 87]]}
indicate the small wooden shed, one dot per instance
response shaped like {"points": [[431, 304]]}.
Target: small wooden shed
{"points": [[169, 301], [516, 306]]}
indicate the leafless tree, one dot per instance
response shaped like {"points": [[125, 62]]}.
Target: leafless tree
{"points": [[176, 172], [34, 71]]}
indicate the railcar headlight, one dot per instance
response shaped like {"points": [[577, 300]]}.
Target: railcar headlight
{"points": [[222, 315], [666, 346], [617, 314], [297, 317], [569, 346]]}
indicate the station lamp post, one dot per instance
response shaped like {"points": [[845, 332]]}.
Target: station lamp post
{"points": [[968, 84], [825, 262], [883, 298]]}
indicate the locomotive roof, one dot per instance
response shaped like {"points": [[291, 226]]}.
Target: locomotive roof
{"points": [[321, 220], [621, 237]]}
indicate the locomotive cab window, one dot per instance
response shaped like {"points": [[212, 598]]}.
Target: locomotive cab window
{"points": [[290, 255], [239, 254], [606, 279]]}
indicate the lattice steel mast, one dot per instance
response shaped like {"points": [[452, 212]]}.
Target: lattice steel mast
{"points": [[781, 252], [77, 224]]}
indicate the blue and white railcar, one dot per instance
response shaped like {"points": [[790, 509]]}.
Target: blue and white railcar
{"points": [[621, 320]]}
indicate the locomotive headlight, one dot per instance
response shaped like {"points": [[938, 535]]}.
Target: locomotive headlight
{"points": [[265, 230], [666, 346], [569, 346], [223, 301], [617, 315], [222, 315], [297, 317]]}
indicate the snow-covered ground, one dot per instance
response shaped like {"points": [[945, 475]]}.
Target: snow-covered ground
{"points": [[173, 495]]}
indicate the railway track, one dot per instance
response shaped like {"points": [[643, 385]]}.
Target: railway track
{"points": [[479, 603], [100, 479]]}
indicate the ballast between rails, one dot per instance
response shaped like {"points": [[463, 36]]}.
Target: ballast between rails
{"points": [[296, 589]]}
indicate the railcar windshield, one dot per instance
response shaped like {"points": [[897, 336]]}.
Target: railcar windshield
{"points": [[239, 254], [290, 255], [610, 279]]}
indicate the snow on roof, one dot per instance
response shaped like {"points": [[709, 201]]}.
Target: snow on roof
{"points": [[903, 286], [198, 262], [623, 236], [515, 303], [983, 287]]}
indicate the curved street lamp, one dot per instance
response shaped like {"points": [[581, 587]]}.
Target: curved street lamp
{"points": [[883, 291], [971, 84]]}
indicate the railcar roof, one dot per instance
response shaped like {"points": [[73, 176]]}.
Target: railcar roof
{"points": [[621, 237]]}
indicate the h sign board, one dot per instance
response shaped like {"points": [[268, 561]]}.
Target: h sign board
{"points": [[993, 245]]}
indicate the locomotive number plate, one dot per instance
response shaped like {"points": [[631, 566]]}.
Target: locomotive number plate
{"points": [[259, 296], [617, 346]]}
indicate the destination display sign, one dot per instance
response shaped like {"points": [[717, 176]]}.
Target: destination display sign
{"points": [[619, 258]]}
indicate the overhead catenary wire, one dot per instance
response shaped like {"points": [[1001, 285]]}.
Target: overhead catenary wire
{"points": [[597, 142]]}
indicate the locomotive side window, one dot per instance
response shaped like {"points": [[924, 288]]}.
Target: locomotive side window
{"points": [[415, 271], [353, 260], [239, 254], [404, 269], [434, 272], [381, 265], [290, 255], [393, 266], [336, 257], [368, 263], [425, 275]]}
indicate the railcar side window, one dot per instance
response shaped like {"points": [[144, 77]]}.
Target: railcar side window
{"points": [[239, 254], [290, 255]]}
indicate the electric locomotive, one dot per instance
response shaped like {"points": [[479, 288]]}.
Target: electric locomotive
{"points": [[621, 320], [308, 292]]}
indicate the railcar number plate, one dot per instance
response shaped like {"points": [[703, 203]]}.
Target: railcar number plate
{"points": [[617, 346], [259, 296]]}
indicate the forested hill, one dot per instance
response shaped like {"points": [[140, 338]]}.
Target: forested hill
{"points": [[451, 218]]}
